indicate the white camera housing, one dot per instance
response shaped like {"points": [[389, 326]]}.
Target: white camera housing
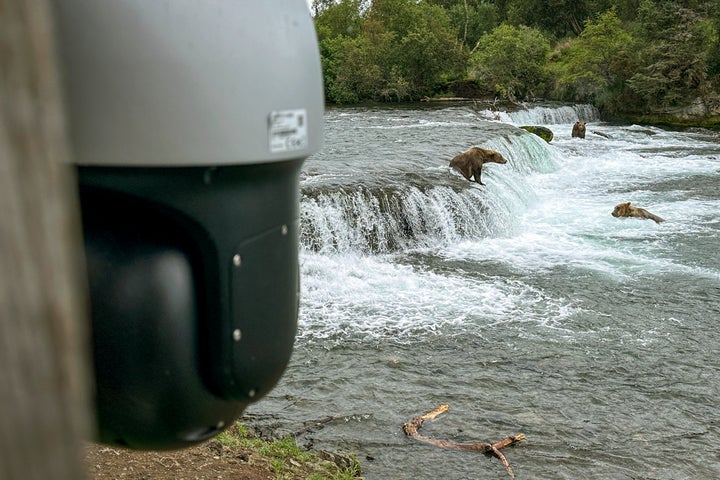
{"points": [[187, 82]]}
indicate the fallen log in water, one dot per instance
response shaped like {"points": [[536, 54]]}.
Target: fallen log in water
{"points": [[412, 428]]}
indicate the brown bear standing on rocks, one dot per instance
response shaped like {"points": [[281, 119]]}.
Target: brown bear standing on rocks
{"points": [[579, 129], [470, 163], [628, 210]]}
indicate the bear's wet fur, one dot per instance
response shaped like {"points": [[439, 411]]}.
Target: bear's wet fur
{"points": [[628, 210], [578, 130], [470, 162]]}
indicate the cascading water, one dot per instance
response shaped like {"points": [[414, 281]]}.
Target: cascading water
{"points": [[544, 115], [371, 221], [523, 304], [435, 207]]}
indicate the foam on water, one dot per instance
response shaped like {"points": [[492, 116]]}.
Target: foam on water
{"points": [[549, 207], [348, 297], [570, 221]]}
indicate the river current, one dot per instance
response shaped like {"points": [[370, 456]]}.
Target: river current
{"points": [[523, 304]]}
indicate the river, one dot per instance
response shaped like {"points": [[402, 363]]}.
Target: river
{"points": [[523, 304]]}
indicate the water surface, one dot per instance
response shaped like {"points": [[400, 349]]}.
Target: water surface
{"points": [[524, 304]]}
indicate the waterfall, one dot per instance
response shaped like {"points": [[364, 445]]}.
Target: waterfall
{"points": [[382, 220], [525, 152], [443, 208], [545, 115]]}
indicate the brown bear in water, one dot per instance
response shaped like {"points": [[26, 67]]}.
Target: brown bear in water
{"points": [[628, 210], [579, 129], [470, 163]]}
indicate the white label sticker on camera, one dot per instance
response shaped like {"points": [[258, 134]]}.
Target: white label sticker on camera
{"points": [[287, 130]]}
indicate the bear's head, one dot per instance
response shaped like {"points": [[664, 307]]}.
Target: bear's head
{"points": [[486, 155], [496, 157], [622, 210]]}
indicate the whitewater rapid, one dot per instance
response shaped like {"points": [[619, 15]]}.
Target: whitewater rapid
{"points": [[523, 304]]}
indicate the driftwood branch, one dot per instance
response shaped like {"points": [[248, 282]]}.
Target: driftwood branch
{"points": [[412, 428]]}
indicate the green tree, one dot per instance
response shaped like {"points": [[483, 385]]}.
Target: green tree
{"points": [[333, 19], [398, 16], [429, 54], [678, 48], [470, 19], [594, 66], [714, 55], [401, 50], [339, 25], [556, 17], [510, 61], [350, 71]]}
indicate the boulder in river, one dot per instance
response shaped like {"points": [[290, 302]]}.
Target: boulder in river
{"points": [[542, 132]]}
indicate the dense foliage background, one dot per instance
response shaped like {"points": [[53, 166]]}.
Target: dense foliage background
{"points": [[621, 55]]}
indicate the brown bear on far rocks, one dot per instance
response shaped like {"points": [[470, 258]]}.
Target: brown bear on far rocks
{"points": [[470, 163], [579, 129], [628, 210]]}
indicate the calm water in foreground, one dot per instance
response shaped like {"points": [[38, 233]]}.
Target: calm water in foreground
{"points": [[524, 304]]}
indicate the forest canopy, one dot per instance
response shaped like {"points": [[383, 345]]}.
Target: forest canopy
{"points": [[621, 55]]}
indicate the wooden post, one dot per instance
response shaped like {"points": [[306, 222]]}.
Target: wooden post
{"points": [[44, 359]]}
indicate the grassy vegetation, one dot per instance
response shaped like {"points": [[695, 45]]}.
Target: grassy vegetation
{"points": [[286, 459]]}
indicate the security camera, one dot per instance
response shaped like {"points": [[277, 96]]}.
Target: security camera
{"points": [[189, 122]]}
